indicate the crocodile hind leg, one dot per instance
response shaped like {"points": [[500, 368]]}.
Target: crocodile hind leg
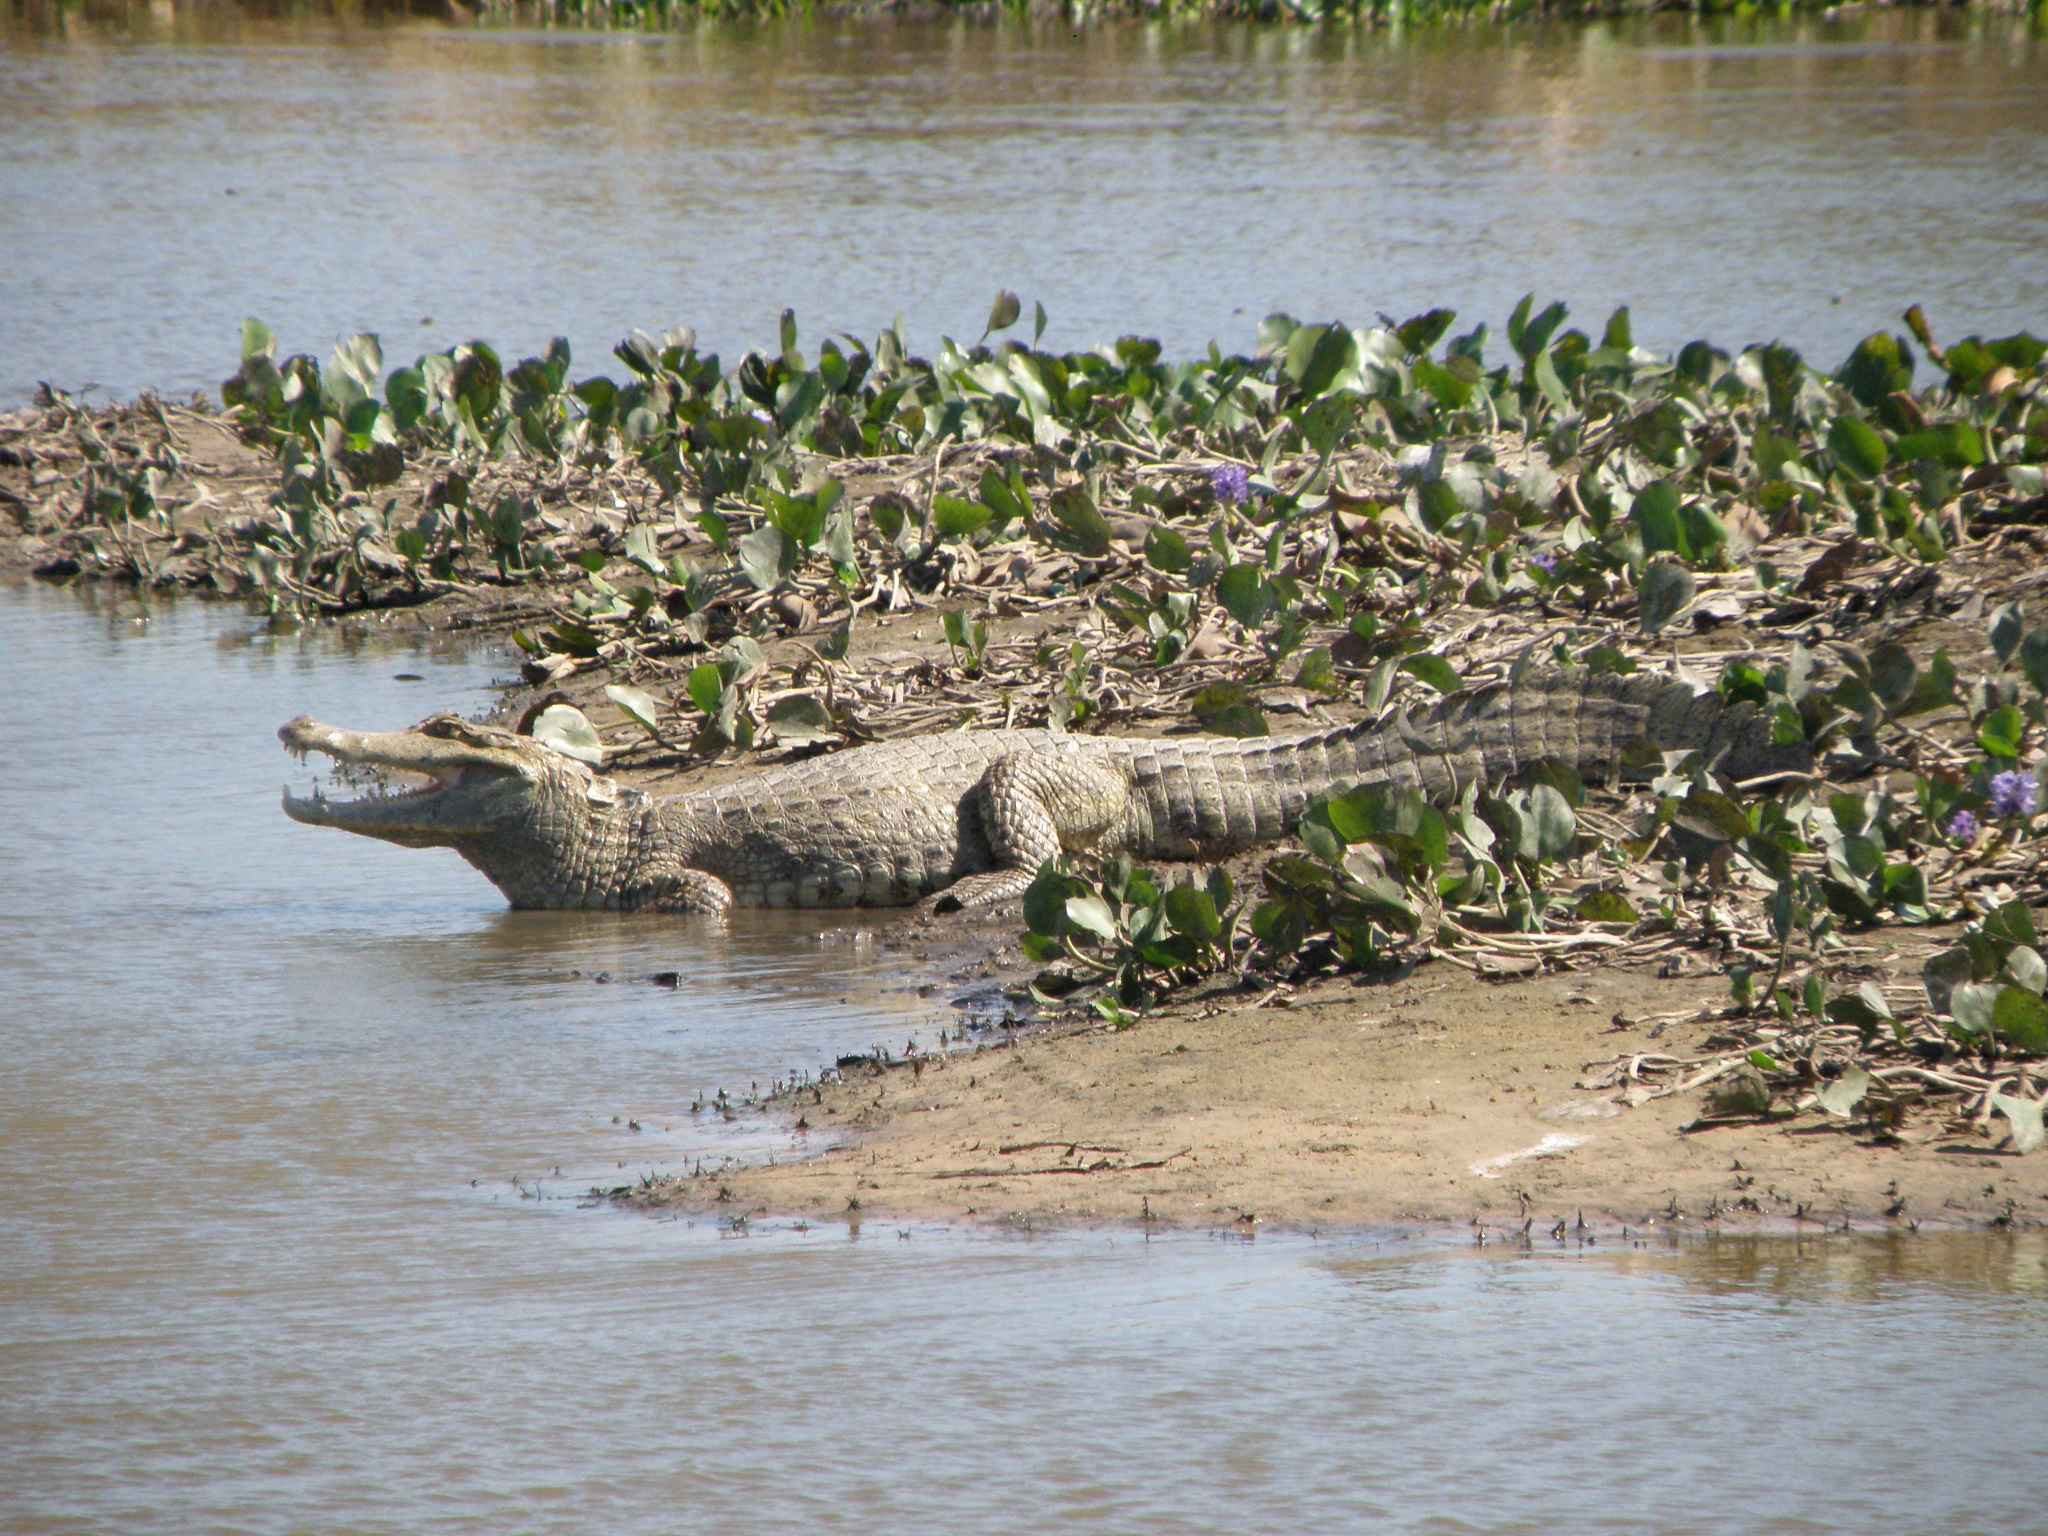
{"points": [[1034, 805]]}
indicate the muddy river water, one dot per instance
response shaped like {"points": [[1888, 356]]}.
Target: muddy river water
{"points": [[1737, 180], [293, 1128]]}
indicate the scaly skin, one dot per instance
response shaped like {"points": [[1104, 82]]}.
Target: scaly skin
{"points": [[975, 813]]}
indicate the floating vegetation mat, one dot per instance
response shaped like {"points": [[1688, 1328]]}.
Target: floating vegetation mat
{"points": [[722, 561]]}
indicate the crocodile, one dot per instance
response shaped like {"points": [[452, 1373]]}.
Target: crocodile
{"points": [[973, 814]]}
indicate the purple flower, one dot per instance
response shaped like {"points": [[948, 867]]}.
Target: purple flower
{"points": [[1963, 827], [1546, 562], [2014, 793], [1231, 483]]}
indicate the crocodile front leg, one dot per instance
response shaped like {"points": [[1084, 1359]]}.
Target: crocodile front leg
{"points": [[1033, 806]]}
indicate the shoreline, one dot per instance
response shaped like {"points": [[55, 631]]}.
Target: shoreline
{"points": [[1352, 1107], [1269, 575]]}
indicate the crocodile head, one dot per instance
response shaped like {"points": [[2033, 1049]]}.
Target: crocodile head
{"points": [[481, 783]]}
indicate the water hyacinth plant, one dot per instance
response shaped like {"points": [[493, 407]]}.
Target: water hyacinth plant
{"points": [[1316, 524]]}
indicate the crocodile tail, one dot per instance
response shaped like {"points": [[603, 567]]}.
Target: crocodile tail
{"points": [[1201, 798], [1590, 721]]}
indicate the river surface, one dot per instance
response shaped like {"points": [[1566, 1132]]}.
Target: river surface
{"points": [[1805, 180], [293, 1127]]}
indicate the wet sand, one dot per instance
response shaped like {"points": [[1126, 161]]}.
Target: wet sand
{"points": [[1438, 1099]]}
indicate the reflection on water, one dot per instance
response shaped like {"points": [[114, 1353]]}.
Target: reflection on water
{"points": [[294, 1127], [1740, 180]]}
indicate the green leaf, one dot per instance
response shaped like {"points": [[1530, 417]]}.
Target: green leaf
{"points": [[832, 645], [1318, 670], [1773, 452], [1084, 529], [1742, 1092], [1710, 814], [1893, 672], [800, 719], [2001, 732], [642, 550], [1319, 840], [965, 634], [640, 706], [954, 517], [361, 358], [1529, 337], [479, 377], [1849, 900], [1974, 1005], [1604, 907], [1841, 1097], [1556, 826], [1092, 913], [716, 529], [1317, 355], [1422, 332], [565, 728], [1045, 902], [1355, 817], [742, 658], [1280, 924], [1667, 589], [575, 639], [707, 686], [2021, 1017], [1783, 370], [1192, 913], [1433, 670], [1956, 444], [1003, 313], [2024, 1116], [2034, 659], [802, 518], [1941, 975], [2023, 964], [1449, 386], [1387, 903], [1881, 365], [257, 341], [1167, 552], [2011, 923], [1229, 709], [765, 555], [1863, 1008], [1700, 363], [1245, 592], [1655, 514], [1814, 995], [1857, 447], [1005, 496]]}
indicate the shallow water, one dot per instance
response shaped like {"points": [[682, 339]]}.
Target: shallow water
{"points": [[1805, 180], [283, 1244]]}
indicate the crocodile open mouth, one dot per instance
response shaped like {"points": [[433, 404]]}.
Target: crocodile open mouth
{"points": [[373, 784], [398, 784]]}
